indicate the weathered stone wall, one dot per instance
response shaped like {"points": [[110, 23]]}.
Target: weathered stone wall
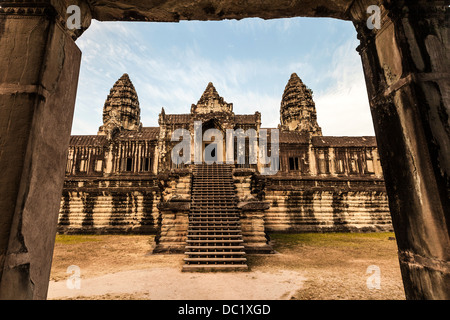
{"points": [[109, 206], [330, 204], [327, 211]]}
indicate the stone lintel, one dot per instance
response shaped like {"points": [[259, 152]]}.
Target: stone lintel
{"points": [[174, 11], [56, 10]]}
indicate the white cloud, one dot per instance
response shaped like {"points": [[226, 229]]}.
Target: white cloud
{"points": [[343, 109], [175, 77]]}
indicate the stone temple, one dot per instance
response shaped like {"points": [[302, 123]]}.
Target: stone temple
{"points": [[124, 180]]}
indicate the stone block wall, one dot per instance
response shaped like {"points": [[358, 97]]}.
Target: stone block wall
{"points": [[327, 210], [109, 206]]}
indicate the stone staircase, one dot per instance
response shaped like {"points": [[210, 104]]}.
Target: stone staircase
{"points": [[214, 238]]}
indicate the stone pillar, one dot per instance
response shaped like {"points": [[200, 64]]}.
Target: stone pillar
{"points": [[332, 161], [406, 65], [312, 159], [39, 65], [252, 218], [171, 237], [174, 211], [376, 164]]}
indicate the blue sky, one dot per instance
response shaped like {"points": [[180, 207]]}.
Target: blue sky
{"points": [[249, 61]]}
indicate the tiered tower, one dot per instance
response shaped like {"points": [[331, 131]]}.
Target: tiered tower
{"points": [[121, 110], [298, 110]]}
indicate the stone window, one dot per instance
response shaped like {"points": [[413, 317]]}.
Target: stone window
{"points": [[126, 164], [322, 163], [369, 166], [98, 165], [353, 165], [146, 164], [129, 164], [293, 164], [69, 163], [83, 165], [369, 162], [340, 168]]}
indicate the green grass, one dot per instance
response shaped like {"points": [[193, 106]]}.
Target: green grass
{"points": [[329, 239], [74, 239]]}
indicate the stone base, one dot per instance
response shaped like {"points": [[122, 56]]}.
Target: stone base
{"points": [[216, 268], [259, 249], [169, 249]]}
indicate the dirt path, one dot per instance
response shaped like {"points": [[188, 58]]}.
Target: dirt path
{"points": [[170, 284]]}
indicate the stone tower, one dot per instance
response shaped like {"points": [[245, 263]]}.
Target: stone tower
{"points": [[210, 101], [298, 110], [121, 110]]}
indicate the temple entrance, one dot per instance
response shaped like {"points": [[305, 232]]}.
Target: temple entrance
{"points": [[209, 152], [213, 143]]}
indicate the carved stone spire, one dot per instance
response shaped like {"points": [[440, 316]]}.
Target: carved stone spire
{"points": [[121, 110], [298, 110], [210, 101]]}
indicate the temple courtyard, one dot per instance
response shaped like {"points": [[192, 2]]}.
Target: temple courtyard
{"points": [[307, 266]]}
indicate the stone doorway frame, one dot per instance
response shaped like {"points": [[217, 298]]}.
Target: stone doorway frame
{"points": [[406, 66]]}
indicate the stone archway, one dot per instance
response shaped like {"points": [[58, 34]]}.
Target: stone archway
{"points": [[406, 66], [213, 145]]}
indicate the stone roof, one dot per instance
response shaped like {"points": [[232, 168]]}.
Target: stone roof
{"points": [[177, 118], [146, 133], [186, 118], [293, 137], [246, 118], [344, 141], [88, 140]]}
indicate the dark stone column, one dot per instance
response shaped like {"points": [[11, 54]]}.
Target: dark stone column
{"points": [[39, 65], [406, 65]]}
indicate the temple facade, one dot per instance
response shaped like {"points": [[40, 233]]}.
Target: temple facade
{"points": [[135, 179]]}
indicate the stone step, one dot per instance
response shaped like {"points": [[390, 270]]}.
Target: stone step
{"points": [[211, 253], [215, 241], [194, 232], [214, 236], [225, 226], [214, 268], [206, 259], [205, 248], [218, 211], [214, 221]]}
